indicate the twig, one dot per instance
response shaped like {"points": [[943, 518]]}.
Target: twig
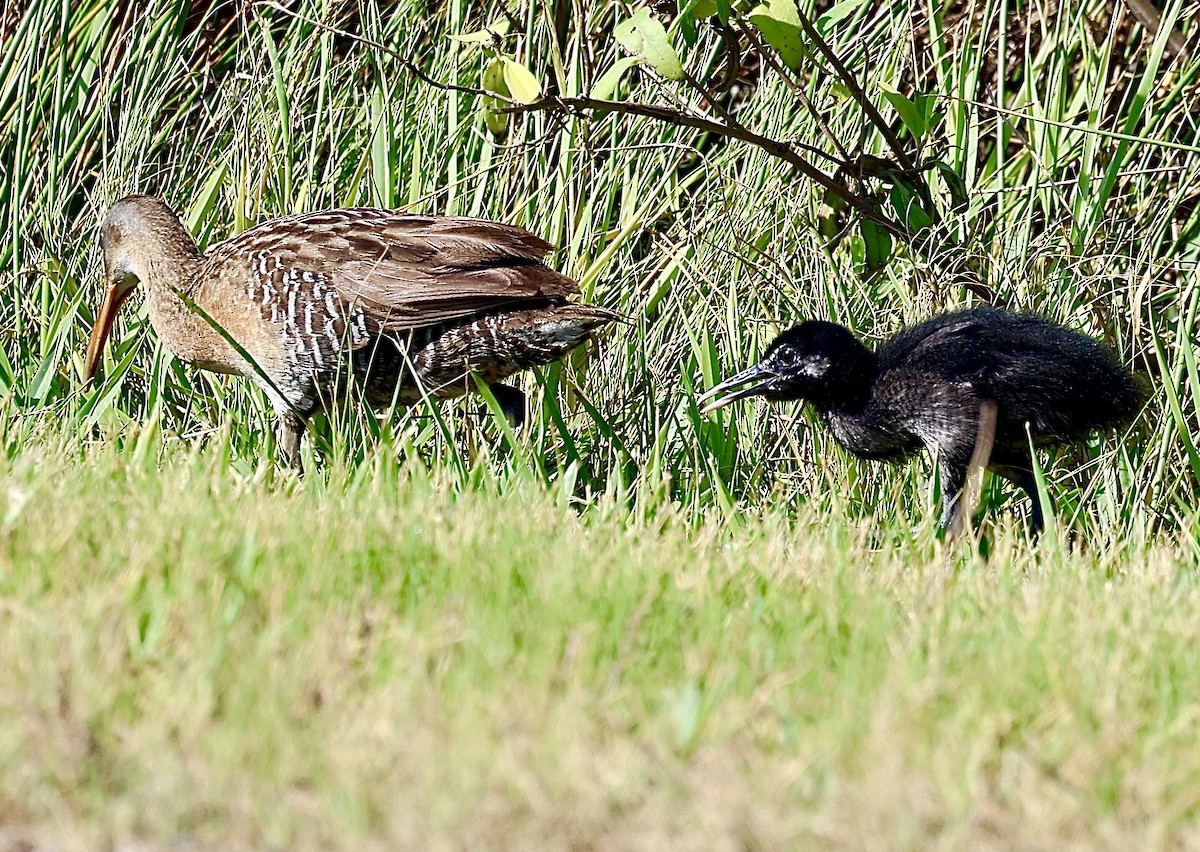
{"points": [[781, 150], [857, 90], [1066, 125], [797, 90], [1151, 18], [408, 64], [731, 121]]}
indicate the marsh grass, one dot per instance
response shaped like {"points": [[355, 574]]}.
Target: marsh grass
{"points": [[631, 625], [705, 244]]}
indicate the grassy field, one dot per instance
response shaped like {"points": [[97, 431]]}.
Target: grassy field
{"points": [[391, 658], [632, 626]]}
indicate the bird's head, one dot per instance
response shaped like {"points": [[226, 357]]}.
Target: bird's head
{"points": [[136, 231], [821, 362]]}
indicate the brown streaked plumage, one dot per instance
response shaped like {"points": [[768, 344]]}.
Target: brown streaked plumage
{"points": [[398, 305]]}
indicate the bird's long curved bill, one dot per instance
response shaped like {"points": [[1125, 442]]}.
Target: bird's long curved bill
{"points": [[113, 299], [749, 382]]}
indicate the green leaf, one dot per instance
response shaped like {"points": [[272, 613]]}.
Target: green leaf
{"points": [[724, 10], [643, 36], [878, 243], [956, 185], [206, 198], [907, 205], [606, 86], [475, 37], [927, 106], [382, 149], [493, 78], [493, 81], [522, 85], [690, 13], [836, 13], [8, 375], [912, 117], [496, 122], [831, 217], [779, 22]]}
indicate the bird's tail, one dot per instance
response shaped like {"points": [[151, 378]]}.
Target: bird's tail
{"points": [[591, 317], [552, 333]]}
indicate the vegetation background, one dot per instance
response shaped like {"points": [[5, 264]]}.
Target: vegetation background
{"points": [[631, 626]]}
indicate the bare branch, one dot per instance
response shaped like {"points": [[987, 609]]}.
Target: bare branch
{"points": [[857, 90], [797, 90], [781, 150]]}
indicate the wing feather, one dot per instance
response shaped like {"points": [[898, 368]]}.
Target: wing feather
{"points": [[408, 271]]}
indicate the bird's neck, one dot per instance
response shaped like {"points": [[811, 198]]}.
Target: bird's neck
{"points": [[175, 288], [847, 387], [864, 429]]}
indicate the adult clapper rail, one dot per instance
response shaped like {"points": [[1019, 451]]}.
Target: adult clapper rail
{"points": [[940, 384], [400, 306]]}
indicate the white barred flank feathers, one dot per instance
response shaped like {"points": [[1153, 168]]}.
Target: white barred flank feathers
{"points": [[305, 307]]}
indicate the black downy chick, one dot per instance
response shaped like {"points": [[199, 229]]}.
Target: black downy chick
{"points": [[926, 387]]}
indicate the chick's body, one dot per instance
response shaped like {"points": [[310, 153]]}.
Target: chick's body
{"points": [[931, 379], [929, 386]]}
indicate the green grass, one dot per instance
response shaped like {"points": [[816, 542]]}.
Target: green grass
{"points": [[631, 626], [387, 657]]}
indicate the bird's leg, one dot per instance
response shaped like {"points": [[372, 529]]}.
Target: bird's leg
{"points": [[953, 473], [1021, 475], [512, 403], [291, 428]]}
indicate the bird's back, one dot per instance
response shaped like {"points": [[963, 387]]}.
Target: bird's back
{"points": [[330, 282], [410, 302], [1062, 382], [403, 271]]}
